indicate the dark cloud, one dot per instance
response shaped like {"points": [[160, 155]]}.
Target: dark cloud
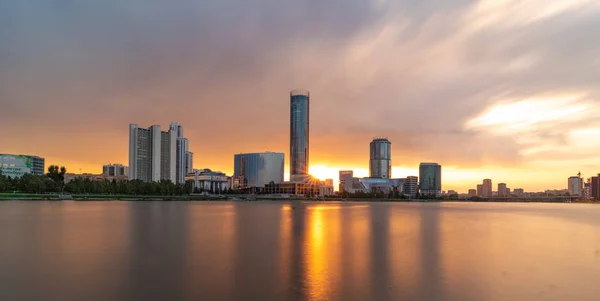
{"points": [[415, 71]]}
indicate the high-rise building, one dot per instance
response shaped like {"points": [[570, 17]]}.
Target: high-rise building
{"points": [[502, 189], [575, 186], [430, 175], [181, 159], [255, 170], [472, 192], [299, 134], [380, 163], [487, 188], [410, 187], [346, 180], [595, 187], [115, 170], [152, 154], [15, 166], [189, 162], [480, 190]]}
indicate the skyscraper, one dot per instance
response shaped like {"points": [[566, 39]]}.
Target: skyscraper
{"points": [[380, 163], [430, 176], [299, 134], [487, 188], [152, 154]]}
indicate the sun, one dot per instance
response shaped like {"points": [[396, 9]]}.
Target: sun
{"points": [[323, 172]]}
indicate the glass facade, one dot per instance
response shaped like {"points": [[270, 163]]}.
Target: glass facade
{"points": [[258, 169], [299, 132], [380, 163], [430, 175]]}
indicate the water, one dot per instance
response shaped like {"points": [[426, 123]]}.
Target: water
{"points": [[267, 251]]}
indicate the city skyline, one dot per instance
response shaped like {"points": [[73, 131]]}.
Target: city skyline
{"points": [[483, 97]]}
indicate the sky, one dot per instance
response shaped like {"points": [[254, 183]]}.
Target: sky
{"points": [[504, 89]]}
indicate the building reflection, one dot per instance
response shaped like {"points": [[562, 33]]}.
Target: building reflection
{"points": [[431, 285], [158, 251], [256, 246], [380, 273]]}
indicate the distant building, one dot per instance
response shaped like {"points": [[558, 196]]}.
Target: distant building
{"points": [[152, 154], [326, 188], [345, 177], [115, 170], [595, 187], [587, 191], [430, 175], [299, 135], [472, 192], [487, 188], [480, 190], [308, 189], [255, 170], [518, 191], [502, 190], [15, 166], [380, 163], [575, 186], [410, 186]]}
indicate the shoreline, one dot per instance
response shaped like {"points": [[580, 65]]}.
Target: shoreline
{"points": [[133, 198]]}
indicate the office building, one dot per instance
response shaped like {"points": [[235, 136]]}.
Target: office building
{"points": [[115, 170], [15, 166], [472, 192], [189, 162], [346, 180], [487, 188], [430, 175], [299, 135], [152, 154], [255, 170], [380, 163], [518, 191], [575, 186], [410, 187], [502, 190], [480, 190]]}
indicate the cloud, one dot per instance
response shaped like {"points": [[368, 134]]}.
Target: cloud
{"points": [[422, 73]]}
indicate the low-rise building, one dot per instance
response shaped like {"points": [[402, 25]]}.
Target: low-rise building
{"points": [[115, 170], [15, 166], [206, 180]]}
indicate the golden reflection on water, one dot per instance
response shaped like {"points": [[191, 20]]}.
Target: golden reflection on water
{"points": [[321, 257]]}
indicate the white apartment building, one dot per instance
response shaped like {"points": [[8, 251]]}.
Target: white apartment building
{"points": [[152, 154]]}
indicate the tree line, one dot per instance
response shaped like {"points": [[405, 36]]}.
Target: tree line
{"points": [[54, 182]]}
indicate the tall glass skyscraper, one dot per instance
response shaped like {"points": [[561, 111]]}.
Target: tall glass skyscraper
{"points": [[380, 163], [258, 169], [430, 176], [299, 131]]}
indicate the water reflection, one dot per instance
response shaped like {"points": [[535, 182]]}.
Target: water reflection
{"points": [[158, 250], [322, 251]]}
